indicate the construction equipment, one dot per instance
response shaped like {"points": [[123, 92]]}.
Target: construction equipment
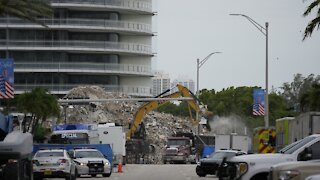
{"points": [[136, 146], [193, 103]]}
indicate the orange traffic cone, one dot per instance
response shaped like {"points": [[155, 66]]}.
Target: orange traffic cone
{"points": [[119, 168]]}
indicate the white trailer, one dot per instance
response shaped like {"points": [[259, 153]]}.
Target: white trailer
{"points": [[116, 137], [232, 141]]}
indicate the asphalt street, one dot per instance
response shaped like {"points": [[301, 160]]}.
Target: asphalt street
{"points": [[154, 172]]}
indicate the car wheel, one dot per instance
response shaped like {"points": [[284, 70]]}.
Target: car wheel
{"points": [[37, 178], [93, 175], [200, 172], [68, 176], [106, 175]]}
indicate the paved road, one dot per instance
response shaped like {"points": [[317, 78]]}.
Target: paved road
{"points": [[154, 172]]}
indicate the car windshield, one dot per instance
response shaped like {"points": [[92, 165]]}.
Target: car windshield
{"points": [[221, 155], [50, 154], [88, 154], [296, 145]]}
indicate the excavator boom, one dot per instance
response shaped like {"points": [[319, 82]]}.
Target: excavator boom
{"points": [[150, 106]]}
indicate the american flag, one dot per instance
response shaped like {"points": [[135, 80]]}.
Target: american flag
{"points": [[6, 89], [258, 109]]}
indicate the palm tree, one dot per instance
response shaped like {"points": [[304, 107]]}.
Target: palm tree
{"points": [[40, 104], [314, 22], [26, 9]]}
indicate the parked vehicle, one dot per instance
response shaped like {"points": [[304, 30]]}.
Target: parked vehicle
{"points": [[136, 146], [105, 149], [257, 166], [294, 170], [233, 141], [210, 164], [53, 163], [290, 130], [75, 134], [313, 177], [15, 151], [91, 162], [116, 137], [178, 150], [264, 140], [185, 147], [282, 130]]}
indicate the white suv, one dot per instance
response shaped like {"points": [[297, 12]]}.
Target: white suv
{"points": [[53, 163], [91, 162]]}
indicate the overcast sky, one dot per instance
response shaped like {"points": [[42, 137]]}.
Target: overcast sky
{"points": [[191, 29]]}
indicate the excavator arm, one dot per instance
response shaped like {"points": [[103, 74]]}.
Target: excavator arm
{"points": [[150, 106]]}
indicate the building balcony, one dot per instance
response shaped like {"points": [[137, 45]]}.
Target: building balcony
{"points": [[87, 68], [77, 46], [65, 88], [124, 6], [97, 25]]}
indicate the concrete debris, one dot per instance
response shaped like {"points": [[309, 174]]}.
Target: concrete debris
{"points": [[158, 125]]}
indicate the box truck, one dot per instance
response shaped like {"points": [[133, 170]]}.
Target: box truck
{"points": [[114, 135]]}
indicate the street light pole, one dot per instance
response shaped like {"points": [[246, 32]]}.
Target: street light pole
{"points": [[199, 64], [264, 31]]}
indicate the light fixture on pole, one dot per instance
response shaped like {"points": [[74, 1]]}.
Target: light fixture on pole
{"points": [[264, 31], [199, 64]]}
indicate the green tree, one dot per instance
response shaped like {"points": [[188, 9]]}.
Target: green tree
{"points": [[40, 104], [292, 92], [314, 6], [169, 108], [26, 9], [278, 108], [228, 101], [310, 100]]}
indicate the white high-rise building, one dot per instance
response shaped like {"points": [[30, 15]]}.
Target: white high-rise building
{"points": [[188, 83], [161, 82], [87, 42]]}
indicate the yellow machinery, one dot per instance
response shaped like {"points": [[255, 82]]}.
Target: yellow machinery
{"points": [[264, 140], [137, 148], [150, 106]]}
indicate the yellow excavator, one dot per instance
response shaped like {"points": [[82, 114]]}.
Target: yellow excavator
{"points": [[193, 103], [137, 147]]}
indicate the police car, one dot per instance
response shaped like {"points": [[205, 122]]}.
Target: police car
{"points": [[91, 162], [210, 164], [53, 163]]}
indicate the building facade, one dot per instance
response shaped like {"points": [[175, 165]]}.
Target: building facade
{"points": [[87, 42], [188, 83], [160, 83]]}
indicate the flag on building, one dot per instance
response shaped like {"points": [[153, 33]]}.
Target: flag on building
{"points": [[6, 79], [258, 102]]}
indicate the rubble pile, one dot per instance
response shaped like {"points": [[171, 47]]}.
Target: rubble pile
{"points": [[158, 125]]}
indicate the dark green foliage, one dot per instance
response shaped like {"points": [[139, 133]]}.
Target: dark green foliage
{"points": [[40, 104], [26, 9], [238, 101], [300, 94], [177, 110], [310, 100], [40, 134], [315, 22]]}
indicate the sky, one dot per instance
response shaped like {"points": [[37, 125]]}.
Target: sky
{"points": [[187, 30]]}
